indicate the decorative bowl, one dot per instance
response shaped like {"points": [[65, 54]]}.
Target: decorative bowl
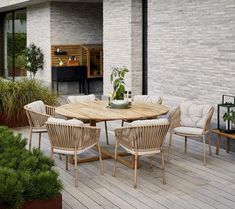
{"points": [[119, 104]]}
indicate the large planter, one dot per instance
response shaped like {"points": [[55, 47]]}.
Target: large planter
{"points": [[43, 204], [13, 122]]}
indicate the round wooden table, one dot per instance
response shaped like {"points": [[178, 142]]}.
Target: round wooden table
{"points": [[98, 111]]}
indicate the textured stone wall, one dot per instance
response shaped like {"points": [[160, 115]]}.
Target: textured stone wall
{"points": [[38, 32], [123, 42], [76, 23], [191, 50]]}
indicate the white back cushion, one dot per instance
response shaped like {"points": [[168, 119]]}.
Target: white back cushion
{"points": [[147, 99], [82, 98], [37, 106], [65, 122], [194, 115], [162, 121]]}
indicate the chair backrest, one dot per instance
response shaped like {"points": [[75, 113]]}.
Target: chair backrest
{"points": [[71, 134], [144, 135], [36, 113], [195, 115], [81, 98], [147, 99]]}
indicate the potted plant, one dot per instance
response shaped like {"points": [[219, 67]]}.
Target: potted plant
{"points": [[34, 59], [117, 80], [229, 118], [23, 91], [27, 178]]}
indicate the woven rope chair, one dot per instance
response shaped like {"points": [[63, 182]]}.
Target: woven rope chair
{"points": [[72, 140], [37, 121], [142, 140], [148, 99], [175, 122], [88, 98]]}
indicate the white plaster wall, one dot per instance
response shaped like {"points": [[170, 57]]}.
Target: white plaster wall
{"points": [[38, 32]]}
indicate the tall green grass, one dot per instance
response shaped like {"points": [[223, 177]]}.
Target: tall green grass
{"points": [[14, 95]]}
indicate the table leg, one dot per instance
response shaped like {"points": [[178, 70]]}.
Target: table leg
{"points": [[228, 145], [218, 144]]}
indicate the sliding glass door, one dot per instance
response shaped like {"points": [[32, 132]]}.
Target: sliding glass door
{"points": [[14, 43]]}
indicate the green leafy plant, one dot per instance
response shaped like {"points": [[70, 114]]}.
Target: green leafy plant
{"points": [[34, 59], [24, 175], [14, 95], [229, 116], [117, 80]]}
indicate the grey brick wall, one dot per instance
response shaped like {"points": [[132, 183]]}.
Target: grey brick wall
{"points": [[122, 41], [76, 23], [38, 32], [192, 50]]}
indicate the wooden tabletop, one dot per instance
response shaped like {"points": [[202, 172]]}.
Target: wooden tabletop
{"points": [[98, 111]]}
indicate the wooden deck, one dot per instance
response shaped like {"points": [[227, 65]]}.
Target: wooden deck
{"points": [[189, 183]]}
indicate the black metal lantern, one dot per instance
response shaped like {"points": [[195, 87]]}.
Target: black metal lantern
{"points": [[226, 114]]}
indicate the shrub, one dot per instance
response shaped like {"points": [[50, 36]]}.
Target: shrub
{"points": [[14, 95], [24, 175]]}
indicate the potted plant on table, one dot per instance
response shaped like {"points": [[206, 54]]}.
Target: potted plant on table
{"points": [[117, 80], [229, 118]]}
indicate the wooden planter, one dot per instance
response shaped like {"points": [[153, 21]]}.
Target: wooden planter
{"points": [[43, 204]]}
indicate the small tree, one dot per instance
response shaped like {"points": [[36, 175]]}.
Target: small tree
{"points": [[34, 59], [117, 79]]}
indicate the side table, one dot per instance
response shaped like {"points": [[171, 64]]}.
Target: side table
{"points": [[226, 135]]}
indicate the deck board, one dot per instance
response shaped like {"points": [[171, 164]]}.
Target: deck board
{"points": [[189, 183]]}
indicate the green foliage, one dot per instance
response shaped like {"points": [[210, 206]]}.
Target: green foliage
{"points": [[230, 116], [24, 175], [117, 79], [14, 95], [34, 59]]}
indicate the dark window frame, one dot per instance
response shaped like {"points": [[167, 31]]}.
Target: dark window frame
{"points": [[2, 54]]}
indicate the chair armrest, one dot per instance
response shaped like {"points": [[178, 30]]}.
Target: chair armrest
{"points": [[125, 137], [37, 120], [174, 118], [208, 120]]}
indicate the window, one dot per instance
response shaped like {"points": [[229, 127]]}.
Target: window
{"points": [[14, 43]]}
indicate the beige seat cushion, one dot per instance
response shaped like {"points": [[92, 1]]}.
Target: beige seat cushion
{"points": [[162, 121], [193, 115], [147, 99], [74, 122], [37, 106], [82, 98], [188, 130]]}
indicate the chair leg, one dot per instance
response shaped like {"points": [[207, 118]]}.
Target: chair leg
{"points": [[106, 132], [100, 158], [76, 169], [169, 147], [163, 168], [30, 138], [209, 143], [39, 140], [135, 177], [122, 123], [67, 162], [60, 156], [185, 144], [52, 153], [115, 159], [204, 150]]}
